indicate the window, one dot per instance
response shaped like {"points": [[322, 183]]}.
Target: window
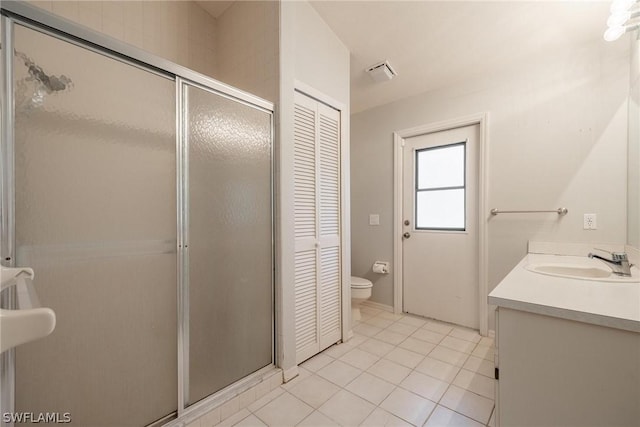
{"points": [[440, 188]]}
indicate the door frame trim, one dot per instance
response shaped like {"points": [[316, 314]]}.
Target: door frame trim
{"points": [[482, 120]]}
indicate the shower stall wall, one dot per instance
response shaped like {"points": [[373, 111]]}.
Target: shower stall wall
{"points": [[141, 195]]}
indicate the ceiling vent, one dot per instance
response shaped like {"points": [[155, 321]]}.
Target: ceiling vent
{"points": [[382, 72]]}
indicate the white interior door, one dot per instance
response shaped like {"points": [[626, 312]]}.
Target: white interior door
{"points": [[317, 226], [440, 225]]}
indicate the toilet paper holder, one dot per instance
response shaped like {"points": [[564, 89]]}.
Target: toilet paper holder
{"points": [[380, 267]]}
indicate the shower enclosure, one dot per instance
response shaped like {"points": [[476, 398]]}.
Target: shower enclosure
{"points": [[140, 193]]}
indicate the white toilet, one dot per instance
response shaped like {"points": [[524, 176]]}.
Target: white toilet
{"points": [[360, 291]]}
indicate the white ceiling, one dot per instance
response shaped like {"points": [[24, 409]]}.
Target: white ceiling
{"points": [[433, 44]]}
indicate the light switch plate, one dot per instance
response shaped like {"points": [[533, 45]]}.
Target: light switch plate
{"points": [[374, 219]]}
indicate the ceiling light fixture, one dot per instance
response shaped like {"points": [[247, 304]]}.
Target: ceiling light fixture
{"points": [[621, 19], [381, 72]]}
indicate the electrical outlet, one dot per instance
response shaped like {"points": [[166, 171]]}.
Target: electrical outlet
{"points": [[590, 222]]}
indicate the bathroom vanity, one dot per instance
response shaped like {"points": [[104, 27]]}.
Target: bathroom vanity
{"points": [[567, 347]]}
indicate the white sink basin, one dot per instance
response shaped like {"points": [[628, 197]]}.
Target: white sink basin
{"points": [[586, 269]]}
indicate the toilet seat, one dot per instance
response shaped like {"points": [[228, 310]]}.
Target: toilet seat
{"points": [[360, 283], [360, 292]]}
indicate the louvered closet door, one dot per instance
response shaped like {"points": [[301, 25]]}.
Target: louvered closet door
{"points": [[317, 226], [329, 233]]}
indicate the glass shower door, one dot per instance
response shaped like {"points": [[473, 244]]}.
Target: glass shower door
{"points": [[95, 217], [229, 240]]}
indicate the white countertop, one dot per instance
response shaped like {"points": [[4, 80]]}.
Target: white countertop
{"points": [[611, 304]]}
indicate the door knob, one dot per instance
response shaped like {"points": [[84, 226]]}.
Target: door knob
{"points": [[406, 235], [407, 222]]}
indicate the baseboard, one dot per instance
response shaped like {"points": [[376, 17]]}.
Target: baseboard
{"points": [[349, 335], [289, 374], [379, 306]]}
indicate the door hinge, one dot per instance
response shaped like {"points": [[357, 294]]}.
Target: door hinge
{"points": [[496, 373]]}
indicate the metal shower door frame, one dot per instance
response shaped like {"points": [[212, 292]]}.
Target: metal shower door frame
{"points": [[7, 202], [21, 13], [182, 109]]}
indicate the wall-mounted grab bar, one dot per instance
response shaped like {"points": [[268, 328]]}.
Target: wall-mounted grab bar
{"points": [[559, 211]]}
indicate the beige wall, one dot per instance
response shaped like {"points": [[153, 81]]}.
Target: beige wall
{"points": [[319, 55], [247, 47], [557, 138]]}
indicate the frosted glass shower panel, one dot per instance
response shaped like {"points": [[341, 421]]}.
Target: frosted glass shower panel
{"points": [[230, 241], [95, 210]]}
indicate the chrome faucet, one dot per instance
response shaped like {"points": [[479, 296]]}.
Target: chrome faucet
{"points": [[619, 262]]}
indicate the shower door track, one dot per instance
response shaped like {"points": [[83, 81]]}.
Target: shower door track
{"points": [[21, 13]]}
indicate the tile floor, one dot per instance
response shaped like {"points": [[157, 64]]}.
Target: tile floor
{"points": [[397, 370]]}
